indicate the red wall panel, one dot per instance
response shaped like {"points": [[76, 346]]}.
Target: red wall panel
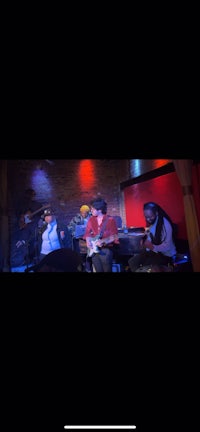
{"points": [[196, 188], [165, 191]]}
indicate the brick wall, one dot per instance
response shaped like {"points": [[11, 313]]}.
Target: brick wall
{"points": [[60, 184]]}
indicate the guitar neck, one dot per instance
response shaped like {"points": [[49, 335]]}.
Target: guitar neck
{"points": [[37, 211], [40, 209], [27, 217]]}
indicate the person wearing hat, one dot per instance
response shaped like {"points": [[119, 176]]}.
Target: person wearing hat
{"points": [[80, 219], [52, 234], [76, 227]]}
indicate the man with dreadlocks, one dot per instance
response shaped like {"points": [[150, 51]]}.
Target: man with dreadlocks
{"points": [[159, 243]]}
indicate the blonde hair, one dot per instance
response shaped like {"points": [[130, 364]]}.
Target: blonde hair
{"points": [[84, 208]]}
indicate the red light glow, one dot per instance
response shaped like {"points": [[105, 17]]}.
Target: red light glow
{"points": [[86, 174]]}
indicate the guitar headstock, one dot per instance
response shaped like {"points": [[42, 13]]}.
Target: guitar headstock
{"points": [[45, 206]]}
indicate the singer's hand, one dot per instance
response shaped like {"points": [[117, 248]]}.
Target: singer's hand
{"points": [[41, 223], [62, 235], [20, 243]]}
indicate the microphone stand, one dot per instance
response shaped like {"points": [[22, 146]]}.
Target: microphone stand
{"points": [[27, 256], [36, 257]]}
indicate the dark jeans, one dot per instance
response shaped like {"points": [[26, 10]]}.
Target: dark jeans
{"points": [[146, 258], [75, 245], [102, 261], [87, 262]]}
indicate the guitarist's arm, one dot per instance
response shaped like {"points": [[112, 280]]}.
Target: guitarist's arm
{"points": [[107, 240], [94, 244]]}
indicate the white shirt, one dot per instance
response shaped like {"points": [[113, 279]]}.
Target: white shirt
{"points": [[50, 241], [167, 247]]}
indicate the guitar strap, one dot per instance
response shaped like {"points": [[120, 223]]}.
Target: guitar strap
{"points": [[103, 227]]}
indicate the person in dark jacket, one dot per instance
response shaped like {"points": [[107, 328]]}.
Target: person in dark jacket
{"points": [[28, 214]]}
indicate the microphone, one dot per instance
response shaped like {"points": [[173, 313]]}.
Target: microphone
{"points": [[41, 223]]}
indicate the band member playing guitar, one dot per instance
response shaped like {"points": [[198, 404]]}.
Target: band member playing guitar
{"points": [[28, 216], [101, 236]]}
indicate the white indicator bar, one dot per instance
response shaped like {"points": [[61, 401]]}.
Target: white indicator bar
{"points": [[100, 427]]}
